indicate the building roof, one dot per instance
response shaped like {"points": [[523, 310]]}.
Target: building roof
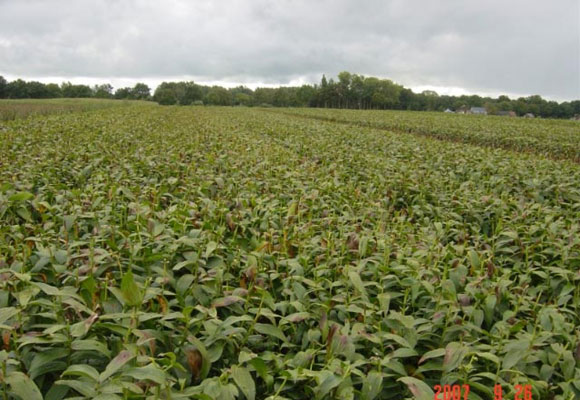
{"points": [[478, 110]]}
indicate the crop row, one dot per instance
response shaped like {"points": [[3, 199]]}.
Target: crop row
{"points": [[552, 138]]}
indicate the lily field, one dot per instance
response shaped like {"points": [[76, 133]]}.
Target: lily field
{"points": [[151, 252]]}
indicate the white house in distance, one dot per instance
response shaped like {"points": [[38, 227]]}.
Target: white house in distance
{"points": [[478, 110]]}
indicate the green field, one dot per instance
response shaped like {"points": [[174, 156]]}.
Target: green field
{"points": [[16, 109], [223, 253]]}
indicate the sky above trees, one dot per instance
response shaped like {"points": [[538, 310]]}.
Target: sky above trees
{"points": [[491, 47]]}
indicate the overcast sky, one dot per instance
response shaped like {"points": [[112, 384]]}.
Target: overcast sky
{"points": [[518, 47]]}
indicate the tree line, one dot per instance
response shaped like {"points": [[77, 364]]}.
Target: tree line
{"points": [[346, 91], [21, 89]]}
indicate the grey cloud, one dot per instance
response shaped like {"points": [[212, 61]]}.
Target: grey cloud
{"points": [[492, 46]]}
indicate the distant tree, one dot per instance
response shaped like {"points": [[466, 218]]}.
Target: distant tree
{"points": [[242, 99], [3, 85], [104, 91], [165, 96], [122, 93], [475, 101], [37, 90], [74, 91], [325, 92], [389, 92], [357, 90], [565, 110], [183, 93], [492, 108], [343, 89], [370, 97], [218, 96], [53, 90], [406, 98], [140, 92], [17, 89], [188, 93], [264, 96], [430, 99], [305, 96], [241, 95]]}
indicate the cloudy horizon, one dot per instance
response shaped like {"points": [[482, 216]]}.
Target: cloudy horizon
{"points": [[516, 47]]}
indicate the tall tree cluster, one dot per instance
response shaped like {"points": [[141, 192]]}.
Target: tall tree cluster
{"points": [[347, 90]]}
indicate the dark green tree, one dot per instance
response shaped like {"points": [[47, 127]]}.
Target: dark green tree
{"points": [[17, 89], [140, 92], [218, 96], [123, 93], [3, 85], [75, 91], [104, 91]]}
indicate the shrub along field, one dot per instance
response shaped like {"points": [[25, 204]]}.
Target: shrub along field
{"points": [[232, 253]]}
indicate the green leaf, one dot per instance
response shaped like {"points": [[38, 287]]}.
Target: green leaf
{"points": [[210, 248], [56, 392], [132, 294], [46, 361], [489, 308], [270, 330], [454, 354], [474, 259], [328, 382], [7, 312], [227, 301], [116, 363], [108, 396], [489, 356], [82, 370], [157, 229], [297, 317], [91, 345], [397, 338], [292, 209], [515, 351], [205, 361], [244, 381], [262, 370], [20, 196], [372, 385], [148, 372], [22, 386], [432, 354], [184, 283], [418, 388], [357, 282], [83, 387]]}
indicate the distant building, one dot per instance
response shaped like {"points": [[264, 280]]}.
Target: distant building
{"points": [[478, 110], [576, 117], [506, 113], [529, 115], [448, 110], [462, 110]]}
